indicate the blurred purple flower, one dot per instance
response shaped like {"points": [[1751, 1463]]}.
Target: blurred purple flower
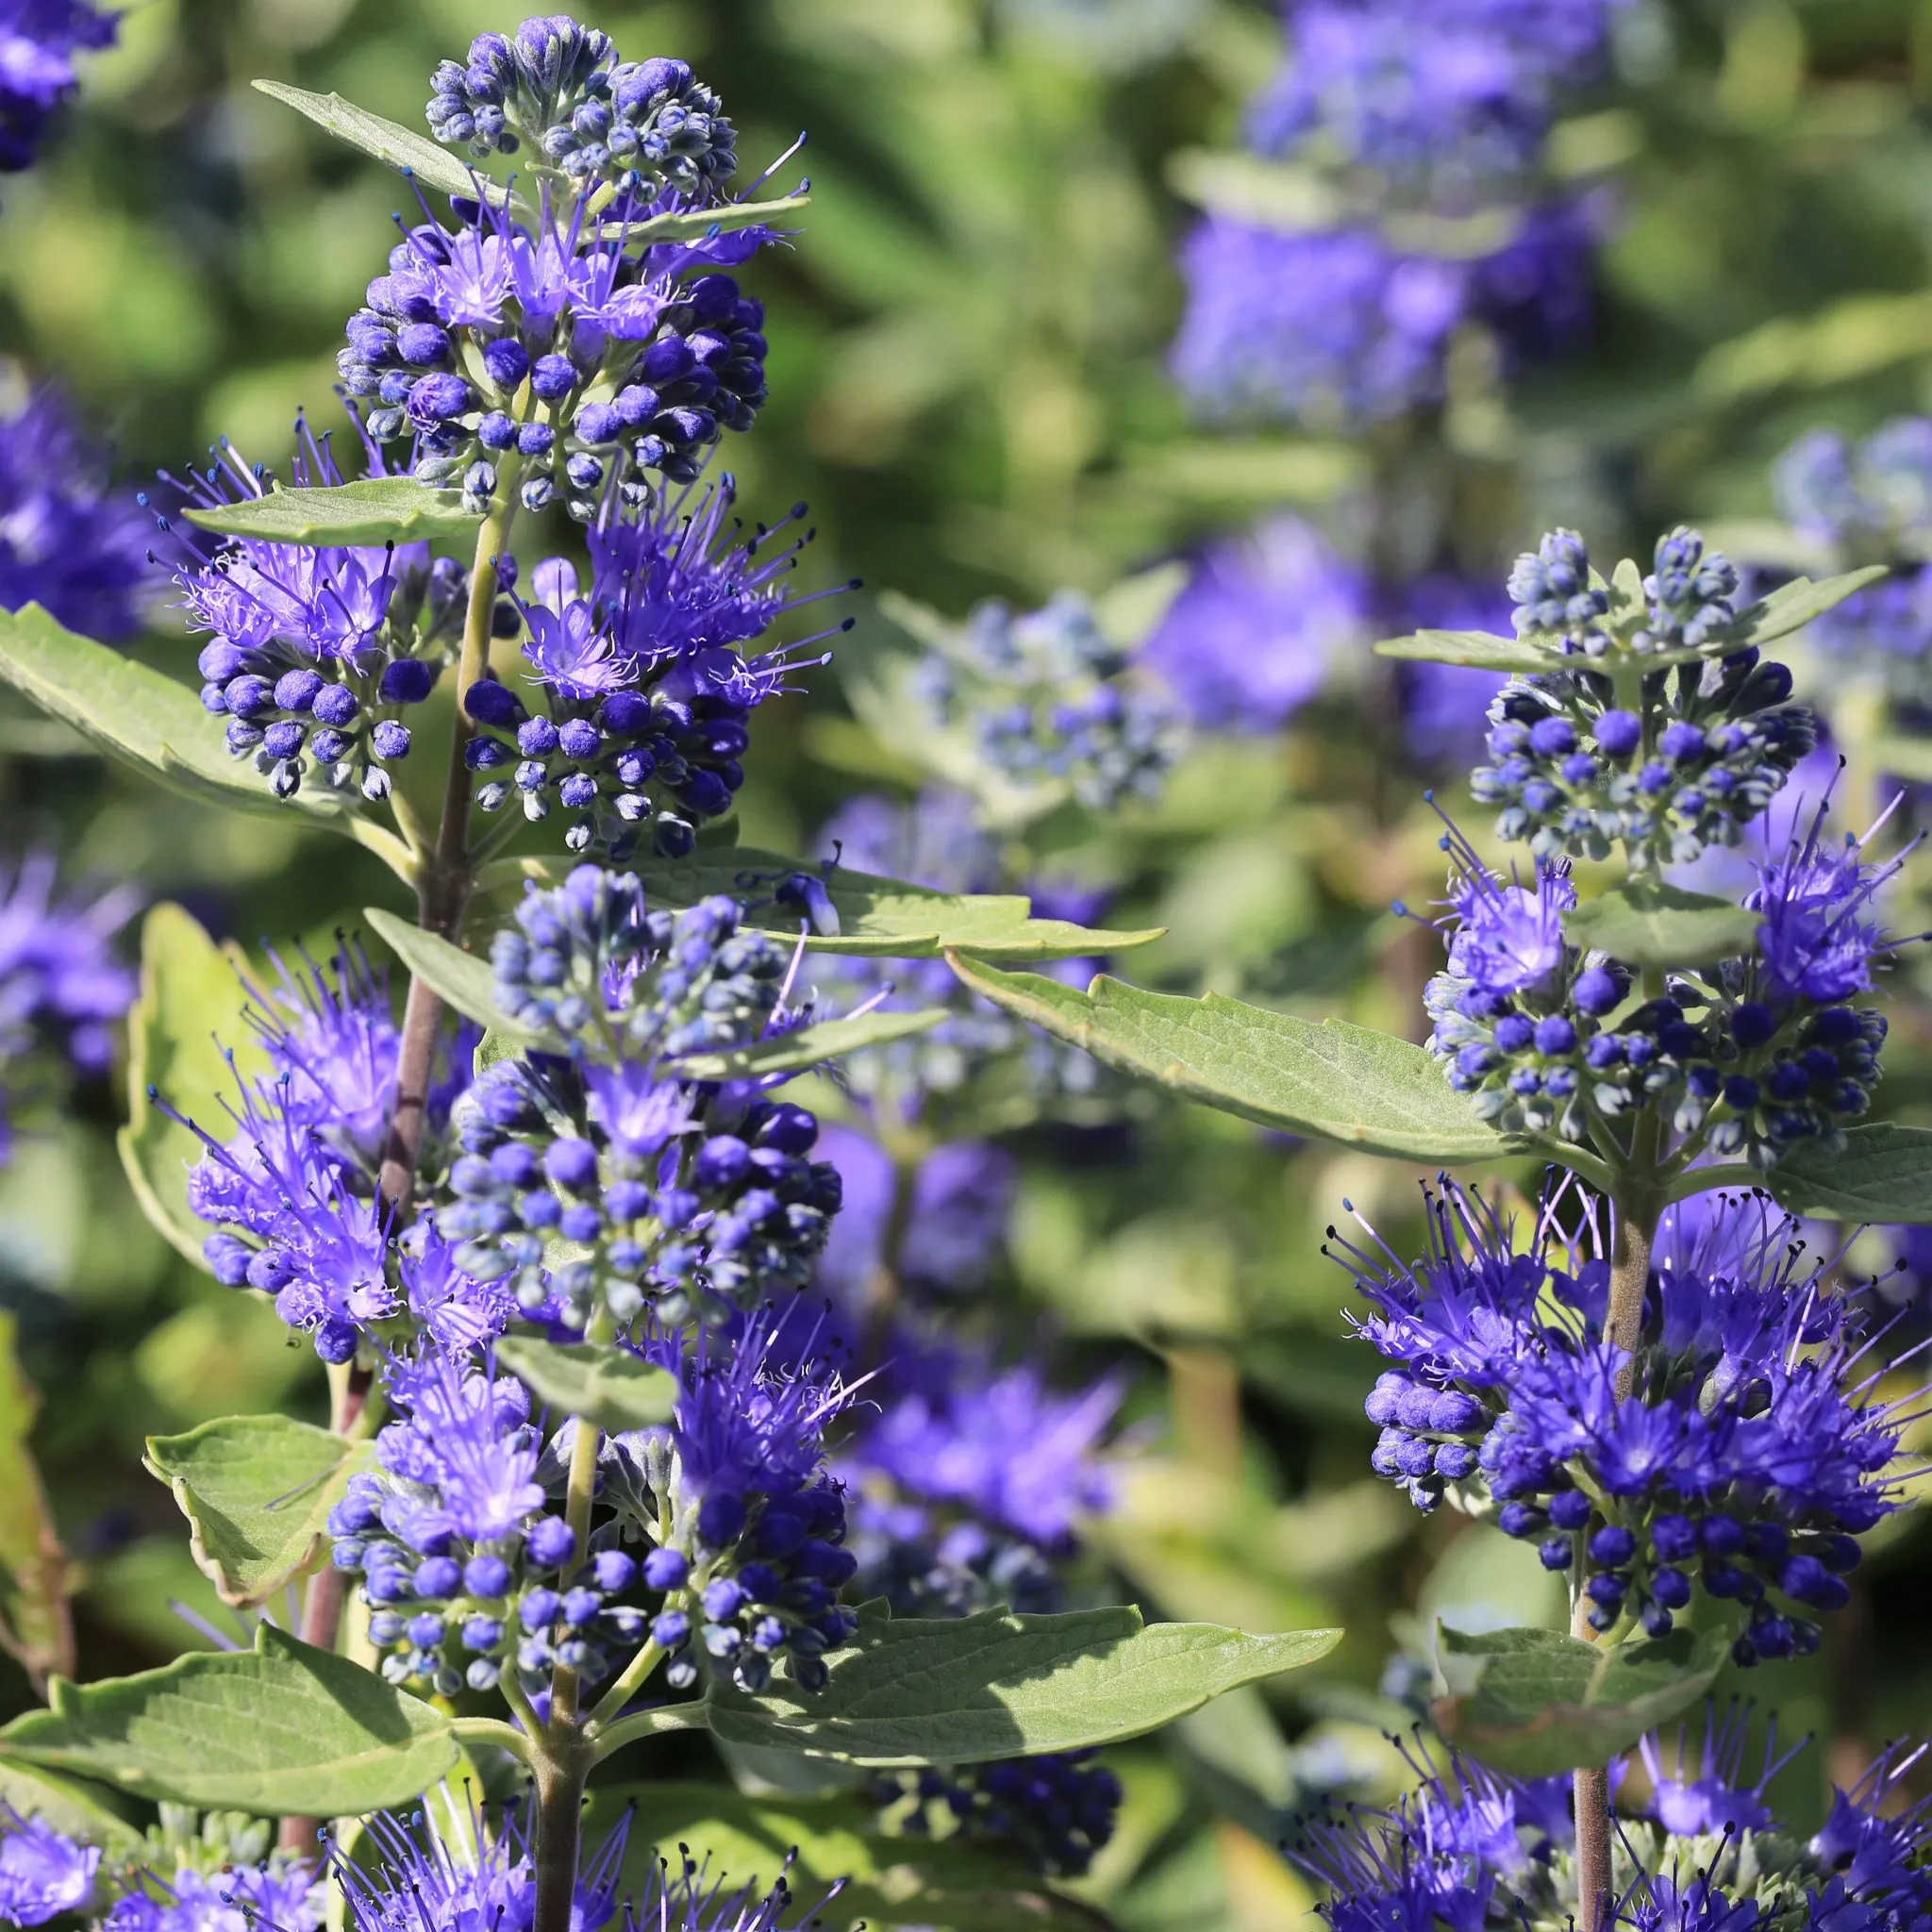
{"points": [[39, 40], [1252, 635]]}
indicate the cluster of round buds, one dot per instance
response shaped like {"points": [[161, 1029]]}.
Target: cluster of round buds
{"points": [[1051, 702], [559, 90], [754, 1593], [318, 652], [668, 1187], [1058, 1808], [1571, 771], [924, 1567], [1730, 1450], [466, 1573], [625, 763], [1687, 598], [574, 368]]}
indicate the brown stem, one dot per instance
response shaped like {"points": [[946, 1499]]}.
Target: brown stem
{"points": [[1630, 1242], [560, 1788]]}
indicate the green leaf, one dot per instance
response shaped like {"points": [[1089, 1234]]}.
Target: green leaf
{"points": [[1791, 606], [36, 1629], [69, 1807], [1884, 1174], [1537, 1702], [1477, 648], [810, 1046], [464, 979], [282, 1729], [1648, 923], [1331, 1080], [139, 715], [256, 1490], [189, 1006], [376, 509], [878, 918], [813, 1842], [994, 1685], [604, 1385], [690, 225], [397, 146]]}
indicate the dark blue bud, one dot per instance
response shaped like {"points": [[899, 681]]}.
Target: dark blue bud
{"points": [[552, 1543]]}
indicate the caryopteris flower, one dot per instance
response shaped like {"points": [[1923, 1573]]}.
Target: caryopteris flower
{"points": [[1737, 1447], [1702, 1853], [678, 1189], [39, 40], [44, 1873], [1253, 633], [282, 1894], [1058, 1808], [318, 652], [61, 987], [645, 684], [70, 542]]}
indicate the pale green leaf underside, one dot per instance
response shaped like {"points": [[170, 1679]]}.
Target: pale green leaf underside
{"points": [[813, 1842], [810, 1046], [397, 146], [375, 509], [692, 224], [464, 979], [1329, 1080], [1787, 608], [137, 714], [256, 1490], [1884, 1173], [878, 918], [69, 1807], [961, 1690], [1649, 923], [283, 1730], [190, 1007], [1537, 1702], [604, 1385]]}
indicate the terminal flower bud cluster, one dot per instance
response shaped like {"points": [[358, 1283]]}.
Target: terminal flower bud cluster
{"points": [[672, 1191], [556, 96], [644, 686], [1687, 601], [1703, 1847], [317, 654], [1738, 1450], [1049, 705]]}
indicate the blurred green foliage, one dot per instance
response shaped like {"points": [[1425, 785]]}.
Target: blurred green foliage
{"points": [[967, 346]]}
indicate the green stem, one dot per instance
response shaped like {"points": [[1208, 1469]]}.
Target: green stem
{"points": [[633, 1674], [576, 1512]]}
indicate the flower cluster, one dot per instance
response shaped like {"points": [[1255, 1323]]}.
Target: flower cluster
{"points": [[557, 90], [1051, 705], [1345, 325], [44, 1873], [546, 356], [1057, 1809], [1446, 706], [647, 690], [1757, 1053], [280, 1893], [1687, 598], [1733, 1447], [1702, 1848], [1870, 502], [70, 542], [717, 1537], [37, 71], [316, 652], [291, 1192], [1252, 635], [669, 1188], [61, 988]]}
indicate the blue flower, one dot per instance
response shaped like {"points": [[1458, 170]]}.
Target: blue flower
{"points": [[1703, 1797], [1253, 635], [44, 1873], [1819, 934], [39, 40], [69, 540], [997, 1443], [61, 987], [1507, 939], [282, 1895], [317, 650]]}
